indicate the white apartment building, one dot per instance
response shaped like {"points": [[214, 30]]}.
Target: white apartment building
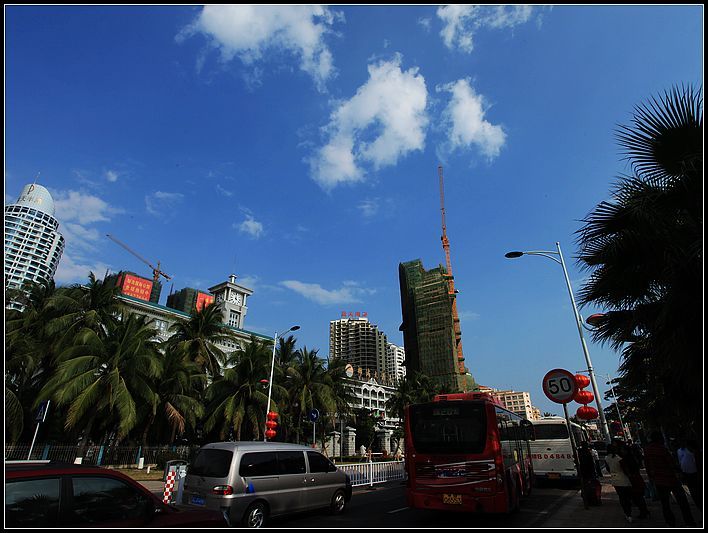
{"points": [[394, 364], [516, 402], [33, 244]]}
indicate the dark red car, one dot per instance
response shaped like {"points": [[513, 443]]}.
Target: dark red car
{"points": [[47, 494]]}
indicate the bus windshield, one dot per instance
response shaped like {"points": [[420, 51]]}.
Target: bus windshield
{"points": [[550, 431], [448, 427]]}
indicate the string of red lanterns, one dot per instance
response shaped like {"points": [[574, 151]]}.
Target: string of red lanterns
{"points": [[584, 397]]}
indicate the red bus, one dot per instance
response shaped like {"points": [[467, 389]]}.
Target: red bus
{"points": [[466, 452]]}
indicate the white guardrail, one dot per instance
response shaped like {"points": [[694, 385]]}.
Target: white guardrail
{"points": [[370, 473]]}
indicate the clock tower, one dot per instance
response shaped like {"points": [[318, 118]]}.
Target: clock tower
{"points": [[232, 298]]}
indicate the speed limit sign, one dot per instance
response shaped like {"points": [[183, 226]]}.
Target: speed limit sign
{"points": [[559, 386]]}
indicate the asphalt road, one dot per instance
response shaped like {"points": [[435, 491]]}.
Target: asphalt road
{"points": [[386, 507]]}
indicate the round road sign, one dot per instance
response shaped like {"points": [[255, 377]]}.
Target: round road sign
{"points": [[314, 415], [559, 386]]}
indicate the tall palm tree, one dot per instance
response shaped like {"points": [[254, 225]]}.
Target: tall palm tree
{"points": [[239, 397], [198, 338], [310, 387], [644, 251], [101, 380]]}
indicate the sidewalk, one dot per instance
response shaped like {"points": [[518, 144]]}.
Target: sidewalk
{"points": [[573, 514]]}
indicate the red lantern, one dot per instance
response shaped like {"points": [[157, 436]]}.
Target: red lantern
{"points": [[271, 424], [584, 396], [587, 413], [582, 381]]}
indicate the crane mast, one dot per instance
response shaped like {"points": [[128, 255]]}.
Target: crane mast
{"points": [[450, 280]]}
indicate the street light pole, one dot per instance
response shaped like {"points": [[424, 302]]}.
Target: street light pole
{"points": [[619, 413], [270, 381], [578, 323]]}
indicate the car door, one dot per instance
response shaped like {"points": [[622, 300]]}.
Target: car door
{"points": [[32, 503], [103, 501], [322, 481], [293, 478]]}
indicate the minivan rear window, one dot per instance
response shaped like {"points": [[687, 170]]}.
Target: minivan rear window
{"points": [[212, 463]]}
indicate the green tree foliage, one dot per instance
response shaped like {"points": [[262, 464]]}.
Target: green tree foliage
{"points": [[644, 251]]}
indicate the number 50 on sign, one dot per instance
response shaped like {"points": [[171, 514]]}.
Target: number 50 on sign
{"points": [[559, 386]]}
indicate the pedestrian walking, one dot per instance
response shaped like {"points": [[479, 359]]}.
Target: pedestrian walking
{"points": [[591, 488], [689, 469], [631, 467], [619, 480], [596, 461], [662, 471]]}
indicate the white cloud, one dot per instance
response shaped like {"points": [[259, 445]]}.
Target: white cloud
{"points": [[382, 122], [425, 22], [251, 227], [464, 118], [160, 203], [463, 21], [223, 192], [350, 293], [74, 206], [249, 31], [71, 270], [111, 175], [369, 207]]}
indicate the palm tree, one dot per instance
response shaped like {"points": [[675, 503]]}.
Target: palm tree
{"points": [[310, 387], [644, 251], [179, 398], [93, 306], [102, 379], [29, 351], [239, 397], [198, 339]]}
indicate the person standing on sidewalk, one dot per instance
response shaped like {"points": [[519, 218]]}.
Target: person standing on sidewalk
{"points": [[662, 469], [619, 480], [689, 470]]}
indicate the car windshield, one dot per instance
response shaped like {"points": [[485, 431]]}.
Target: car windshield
{"points": [[449, 428], [211, 463]]}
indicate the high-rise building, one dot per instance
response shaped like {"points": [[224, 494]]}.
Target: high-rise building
{"points": [[359, 343], [33, 244], [395, 362], [428, 327]]}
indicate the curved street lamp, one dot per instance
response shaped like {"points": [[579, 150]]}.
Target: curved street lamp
{"points": [[270, 382], [557, 257]]}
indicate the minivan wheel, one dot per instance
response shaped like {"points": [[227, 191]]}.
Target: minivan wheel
{"points": [[255, 515], [339, 502]]}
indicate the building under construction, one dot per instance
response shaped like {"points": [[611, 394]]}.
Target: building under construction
{"points": [[431, 325]]}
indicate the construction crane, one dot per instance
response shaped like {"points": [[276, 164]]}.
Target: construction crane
{"points": [[450, 280], [156, 272]]}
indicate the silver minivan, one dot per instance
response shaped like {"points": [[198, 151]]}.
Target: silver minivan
{"points": [[252, 481]]}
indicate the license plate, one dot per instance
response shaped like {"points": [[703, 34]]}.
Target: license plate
{"points": [[452, 499], [196, 500], [554, 475]]}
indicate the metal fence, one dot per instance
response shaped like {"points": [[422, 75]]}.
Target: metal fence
{"points": [[99, 455], [370, 473]]}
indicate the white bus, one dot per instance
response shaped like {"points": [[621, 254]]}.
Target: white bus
{"points": [[551, 452]]}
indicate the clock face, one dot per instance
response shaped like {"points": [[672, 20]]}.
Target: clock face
{"points": [[236, 298]]}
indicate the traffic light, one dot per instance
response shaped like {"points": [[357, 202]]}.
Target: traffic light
{"points": [[271, 424]]}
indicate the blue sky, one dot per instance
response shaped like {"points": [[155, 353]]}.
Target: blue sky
{"points": [[298, 147]]}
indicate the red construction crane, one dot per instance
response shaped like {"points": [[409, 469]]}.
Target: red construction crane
{"points": [[450, 280], [156, 272]]}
